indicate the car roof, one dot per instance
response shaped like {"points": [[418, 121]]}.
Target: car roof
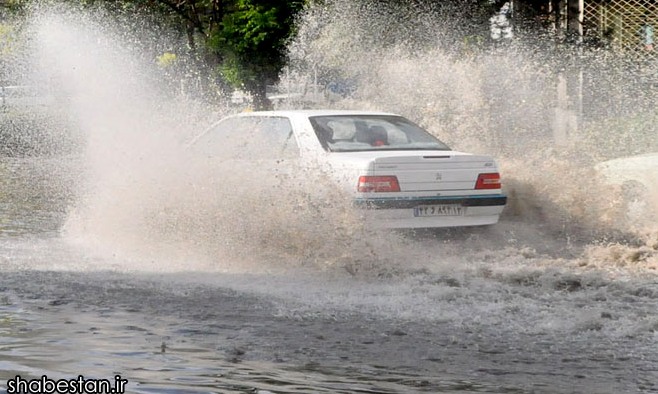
{"points": [[306, 113]]}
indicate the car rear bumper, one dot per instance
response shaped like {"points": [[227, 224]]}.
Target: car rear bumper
{"points": [[411, 202], [400, 213]]}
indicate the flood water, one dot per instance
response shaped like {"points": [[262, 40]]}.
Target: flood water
{"points": [[451, 312], [122, 257]]}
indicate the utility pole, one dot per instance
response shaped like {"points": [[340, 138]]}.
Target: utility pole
{"points": [[568, 18], [575, 20]]}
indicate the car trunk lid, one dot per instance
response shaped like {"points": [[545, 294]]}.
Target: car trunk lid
{"points": [[435, 171]]}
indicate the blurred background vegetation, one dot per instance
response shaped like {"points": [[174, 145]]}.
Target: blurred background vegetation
{"points": [[514, 71], [243, 43]]}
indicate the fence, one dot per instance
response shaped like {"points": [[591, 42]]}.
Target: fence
{"points": [[622, 24]]}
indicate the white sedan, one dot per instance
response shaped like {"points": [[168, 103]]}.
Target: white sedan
{"points": [[398, 173]]}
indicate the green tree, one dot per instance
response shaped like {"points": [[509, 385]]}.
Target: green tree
{"points": [[244, 41], [251, 41]]}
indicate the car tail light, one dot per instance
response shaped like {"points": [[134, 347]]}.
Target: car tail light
{"points": [[378, 184], [488, 181]]}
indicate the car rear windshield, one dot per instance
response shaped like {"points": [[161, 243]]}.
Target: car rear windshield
{"points": [[357, 133]]}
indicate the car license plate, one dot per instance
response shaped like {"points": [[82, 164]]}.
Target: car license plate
{"points": [[439, 210]]}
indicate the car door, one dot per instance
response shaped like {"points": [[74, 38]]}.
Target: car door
{"points": [[273, 148], [260, 147]]}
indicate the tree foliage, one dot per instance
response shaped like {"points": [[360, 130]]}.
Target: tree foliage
{"points": [[243, 42], [251, 42]]}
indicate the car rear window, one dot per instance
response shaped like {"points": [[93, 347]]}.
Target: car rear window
{"points": [[356, 133]]}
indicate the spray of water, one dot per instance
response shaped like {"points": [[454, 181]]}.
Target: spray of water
{"points": [[144, 198], [514, 101]]}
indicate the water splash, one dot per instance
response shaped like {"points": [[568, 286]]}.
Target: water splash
{"points": [[144, 198], [537, 108]]}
